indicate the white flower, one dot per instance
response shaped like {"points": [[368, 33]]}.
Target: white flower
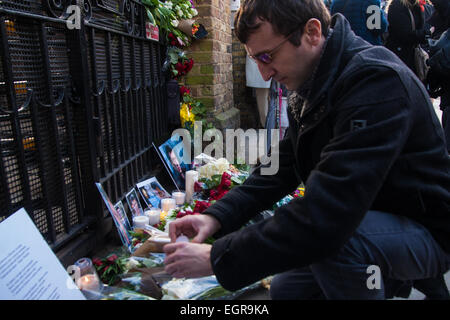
{"points": [[216, 167], [174, 23], [180, 13], [189, 16], [132, 263], [168, 5], [194, 12]]}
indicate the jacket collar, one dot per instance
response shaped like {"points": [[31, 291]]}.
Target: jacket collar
{"points": [[339, 49]]}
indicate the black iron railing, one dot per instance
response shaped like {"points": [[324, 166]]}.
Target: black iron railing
{"points": [[76, 106]]}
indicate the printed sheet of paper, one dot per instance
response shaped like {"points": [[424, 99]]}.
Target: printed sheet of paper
{"points": [[29, 270]]}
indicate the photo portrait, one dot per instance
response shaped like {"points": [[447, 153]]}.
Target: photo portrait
{"points": [[134, 204], [119, 217], [172, 154], [151, 198]]}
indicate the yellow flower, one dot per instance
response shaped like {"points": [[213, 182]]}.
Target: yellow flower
{"points": [[186, 114]]}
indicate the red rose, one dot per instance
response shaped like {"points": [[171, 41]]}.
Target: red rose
{"points": [[112, 258], [181, 214], [221, 194], [213, 194], [97, 262], [184, 90], [198, 186], [201, 206]]}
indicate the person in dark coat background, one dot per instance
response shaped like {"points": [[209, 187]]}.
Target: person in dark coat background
{"points": [[355, 11], [439, 75], [439, 19], [402, 39], [364, 139]]}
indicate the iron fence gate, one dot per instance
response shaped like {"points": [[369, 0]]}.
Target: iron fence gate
{"points": [[77, 106]]}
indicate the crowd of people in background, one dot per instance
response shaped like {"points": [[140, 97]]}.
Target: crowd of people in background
{"points": [[403, 26]]}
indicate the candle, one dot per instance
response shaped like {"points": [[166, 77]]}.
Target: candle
{"points": [[85, 265], [89, 282], [167, 204], [153, 216], [179, 197], [140, 221], [182, 238], [191, 178]]}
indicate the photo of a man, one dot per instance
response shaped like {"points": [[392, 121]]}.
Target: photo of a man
{"points": [[133, 203], [173, 158], [122, 215], [151, 198], [119, 216], [152, 192]]}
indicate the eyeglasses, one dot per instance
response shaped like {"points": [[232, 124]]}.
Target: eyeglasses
{"points": [[267, 57]]}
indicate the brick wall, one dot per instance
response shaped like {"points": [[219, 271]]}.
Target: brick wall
{"points": [[211, 77], [244, 99]]}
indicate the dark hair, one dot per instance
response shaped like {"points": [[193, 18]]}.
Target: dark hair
{"points": [[286, 16]]}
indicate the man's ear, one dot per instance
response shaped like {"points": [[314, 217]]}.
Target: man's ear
{"points": [[313, 31]]}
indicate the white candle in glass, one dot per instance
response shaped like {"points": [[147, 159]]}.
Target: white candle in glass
{"points": [[89, 282], [140, 221], [191, 178], [154, 216], [179, 197], [167, 204]]}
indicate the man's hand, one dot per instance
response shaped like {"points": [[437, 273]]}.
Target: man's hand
{"points": [[187, 260], [198, 226]]}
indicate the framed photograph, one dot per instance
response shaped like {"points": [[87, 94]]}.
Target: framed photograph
{"points": [[123, 214], [120, 218], [134, 204], [152, 192], [172, 155]]}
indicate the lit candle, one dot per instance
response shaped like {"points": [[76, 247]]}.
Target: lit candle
{"points": [[153, 216], [179, 197], [167, 204], [89, 282], [191, 178], [140, 221]]}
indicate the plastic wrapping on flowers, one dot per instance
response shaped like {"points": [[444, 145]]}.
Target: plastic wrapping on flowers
{"points": [[168, 14], [205, 288]]}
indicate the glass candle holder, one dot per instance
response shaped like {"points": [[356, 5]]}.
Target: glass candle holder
{"points": [[89, 279], [139, 222], [179, 197], [167, 204], [154, 216]]}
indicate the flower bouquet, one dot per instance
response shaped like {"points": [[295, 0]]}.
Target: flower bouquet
{"points": [[217, 177], [113, 266], [180, 64], [167, 15]]}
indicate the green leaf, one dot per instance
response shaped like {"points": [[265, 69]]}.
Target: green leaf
{"points": [[150, 16]]}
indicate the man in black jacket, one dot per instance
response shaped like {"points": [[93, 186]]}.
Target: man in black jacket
{"points": [[364, 139]]}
